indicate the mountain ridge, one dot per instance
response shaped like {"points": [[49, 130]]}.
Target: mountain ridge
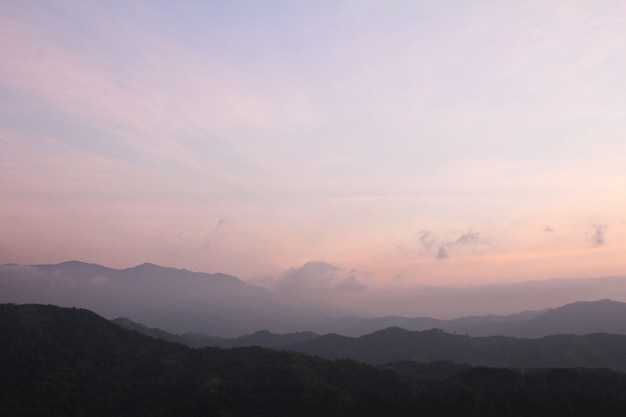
{"points": [[596, 350], [68, 361], [530, 328], [395, 344], [175, 300], [180, 301]]}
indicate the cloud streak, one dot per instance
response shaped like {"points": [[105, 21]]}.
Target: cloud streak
{"points": [[120, 124], [445, 245], [442, 253], [597, 237], [469, 238]]}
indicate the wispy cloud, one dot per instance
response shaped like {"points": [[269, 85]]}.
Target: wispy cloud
{"points": [[427, 239], [120, 124], [444, 245], [597, 237], [183, 100], [468, 238]]}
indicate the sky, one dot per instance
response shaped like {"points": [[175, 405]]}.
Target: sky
{"points": [[367, 144]]}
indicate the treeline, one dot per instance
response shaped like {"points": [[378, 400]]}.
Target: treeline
{"points": [[72, 362]]}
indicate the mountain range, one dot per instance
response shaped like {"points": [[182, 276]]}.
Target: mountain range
{"points": [[594, 350], [580, 318], [175, 300], [69, 362], [262, 338], [209, 307]]}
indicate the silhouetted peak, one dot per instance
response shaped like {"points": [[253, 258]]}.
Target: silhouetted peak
{"points": [[74, 263], [586, 307], [74, 266], [71, 264], [148, 266]]}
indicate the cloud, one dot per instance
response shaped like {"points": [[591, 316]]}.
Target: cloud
{"points": [[182, 109], [214, 233], [427, 238], [399, 276], [469, 238], [442, 253], [19, 272], [441, 246], [403, 252], [312, 278], [263, 280], [318, 279], [350, 284], [597, 236]]}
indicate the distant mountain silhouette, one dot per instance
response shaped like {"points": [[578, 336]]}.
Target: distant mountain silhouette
{"points": [[197, 304], [473, 325], [582, 317], [604, 316], [265, 338], [175, 300], [598, 350], [262, 338], [396, 344]]}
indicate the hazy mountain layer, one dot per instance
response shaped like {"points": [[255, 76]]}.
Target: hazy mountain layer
{"points": [[598, 350], [262, 338], [175, 300], [219, 305], [395, 344], [603, 316], [580, 318]]}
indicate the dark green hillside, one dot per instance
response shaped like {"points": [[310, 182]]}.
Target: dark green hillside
{"points": [[70, 362], [76, 363], [67, 362]]}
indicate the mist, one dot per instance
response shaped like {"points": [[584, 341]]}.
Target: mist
{"points": [[301, 299]]}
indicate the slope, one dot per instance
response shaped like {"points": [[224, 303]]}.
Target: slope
{"points": [[72, 362]]}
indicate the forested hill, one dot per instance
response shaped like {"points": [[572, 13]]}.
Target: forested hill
{"points": [[60, 361], [72, 362]]}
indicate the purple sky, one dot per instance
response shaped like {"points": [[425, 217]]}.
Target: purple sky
{"points": [[402, 142]]}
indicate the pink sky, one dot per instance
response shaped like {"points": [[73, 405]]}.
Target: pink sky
{"points": [[415, 143]]}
